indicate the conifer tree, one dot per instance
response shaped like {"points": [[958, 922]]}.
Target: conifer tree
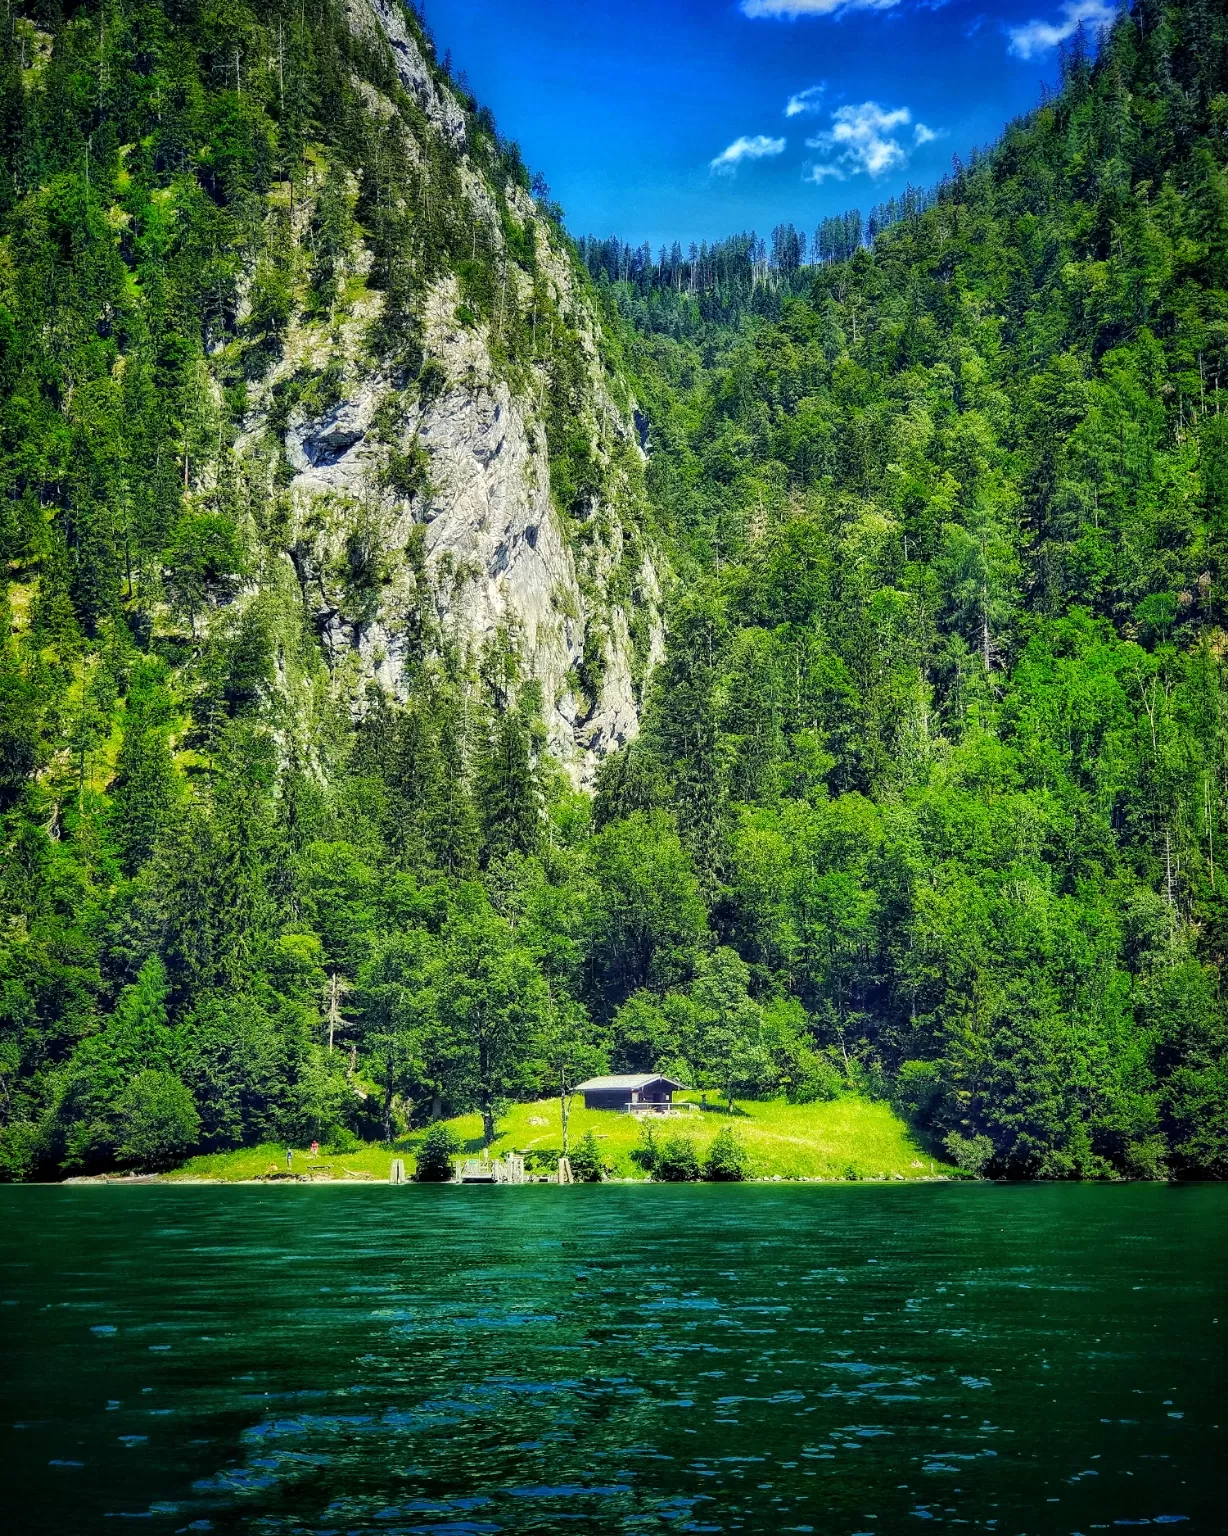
{"points": [[508, 792], [143, 792]]}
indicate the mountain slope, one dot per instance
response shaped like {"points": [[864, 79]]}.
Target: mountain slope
{"points": [[326, 311], [942, 714], [308, 438], [327, 518]]}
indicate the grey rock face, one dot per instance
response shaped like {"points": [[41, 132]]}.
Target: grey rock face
{"points": [[326, 444], [371, 18], [474, 553], [498, 561]]}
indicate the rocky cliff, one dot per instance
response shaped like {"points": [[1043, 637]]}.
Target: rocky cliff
{"points": [[424, 508]]}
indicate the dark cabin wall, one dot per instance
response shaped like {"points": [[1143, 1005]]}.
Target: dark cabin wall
{"points": [[619, 1098], [608, 1098]]}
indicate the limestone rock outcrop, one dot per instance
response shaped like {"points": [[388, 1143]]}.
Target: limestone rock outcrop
{"points": [[421, 520]]}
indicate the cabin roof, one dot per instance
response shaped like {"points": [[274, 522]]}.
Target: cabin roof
{"points": [[630, 1080]]}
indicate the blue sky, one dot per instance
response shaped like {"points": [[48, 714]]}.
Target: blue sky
{"points": [[692, 119]]}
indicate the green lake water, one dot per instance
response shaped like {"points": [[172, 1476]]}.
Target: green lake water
{"points": [[835, 1359]]}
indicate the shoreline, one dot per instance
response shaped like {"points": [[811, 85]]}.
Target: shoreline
{"points": [[847, 1140], [125, 1180]]}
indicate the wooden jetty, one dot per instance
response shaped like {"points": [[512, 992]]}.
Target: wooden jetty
{"points": [[493, 1170]]}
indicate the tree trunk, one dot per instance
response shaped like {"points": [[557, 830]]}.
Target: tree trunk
{"points": [[488, 1115], [485, 1076]]}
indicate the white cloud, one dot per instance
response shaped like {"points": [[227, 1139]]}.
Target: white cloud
{"points": [[1035, 36], [864, 139], [757, 148], [805, 101], [790, 10]]}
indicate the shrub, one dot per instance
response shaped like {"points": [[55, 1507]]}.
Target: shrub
{"points": [[542, 1159], [727, 1161], [586, 1161], [971, 1153], [1146, 1158], [645, 1155], [343, 1141], [435, 1154], [819, 1080], [19, 1146], [159, 1122], [677, 1161]]}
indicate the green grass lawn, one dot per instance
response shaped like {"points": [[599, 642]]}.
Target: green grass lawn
{"points": [[849, 1137]]}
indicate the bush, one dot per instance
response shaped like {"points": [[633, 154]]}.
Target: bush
{"points": [[727, 1161], [586, 1161], [542, 1160], [159, 1122], [1146, 1158], [645, 1155], [436, 1153], [819, 1080], [971, 1153], [19, 1146], [677, 1161], [343, 1141]]}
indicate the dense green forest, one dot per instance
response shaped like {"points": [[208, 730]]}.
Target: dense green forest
{"points": [[932, 782]]}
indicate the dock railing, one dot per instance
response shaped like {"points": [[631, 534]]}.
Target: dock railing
{"points": [[493, 1170], [685, 1106]]}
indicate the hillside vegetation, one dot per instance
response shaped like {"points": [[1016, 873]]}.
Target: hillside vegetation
{"points": [[942, 719], [928, 800]]}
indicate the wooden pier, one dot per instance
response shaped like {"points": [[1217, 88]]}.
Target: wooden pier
{"points": [[493, 1170]]}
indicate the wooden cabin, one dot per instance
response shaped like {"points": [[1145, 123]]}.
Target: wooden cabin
{"points": [[636, 1093]]}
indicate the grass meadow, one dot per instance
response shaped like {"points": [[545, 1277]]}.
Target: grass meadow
{"points": [[846, 1138]]}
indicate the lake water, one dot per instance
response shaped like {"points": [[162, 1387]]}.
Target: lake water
{"points": [[835, 1359]]}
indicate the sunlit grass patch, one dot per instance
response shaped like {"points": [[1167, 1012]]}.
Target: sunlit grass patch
{"points": [[849, 1137]]}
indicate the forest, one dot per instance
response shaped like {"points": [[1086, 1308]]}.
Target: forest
{"points": [[930, 796]]}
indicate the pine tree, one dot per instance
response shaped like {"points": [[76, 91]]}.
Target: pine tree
{"points": [[143, 793], [509, 793]]}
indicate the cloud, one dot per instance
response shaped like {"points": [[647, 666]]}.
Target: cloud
{"points": [[864, 139], [757, 148], [1035, 37], [790, 10], [805, 101]]}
